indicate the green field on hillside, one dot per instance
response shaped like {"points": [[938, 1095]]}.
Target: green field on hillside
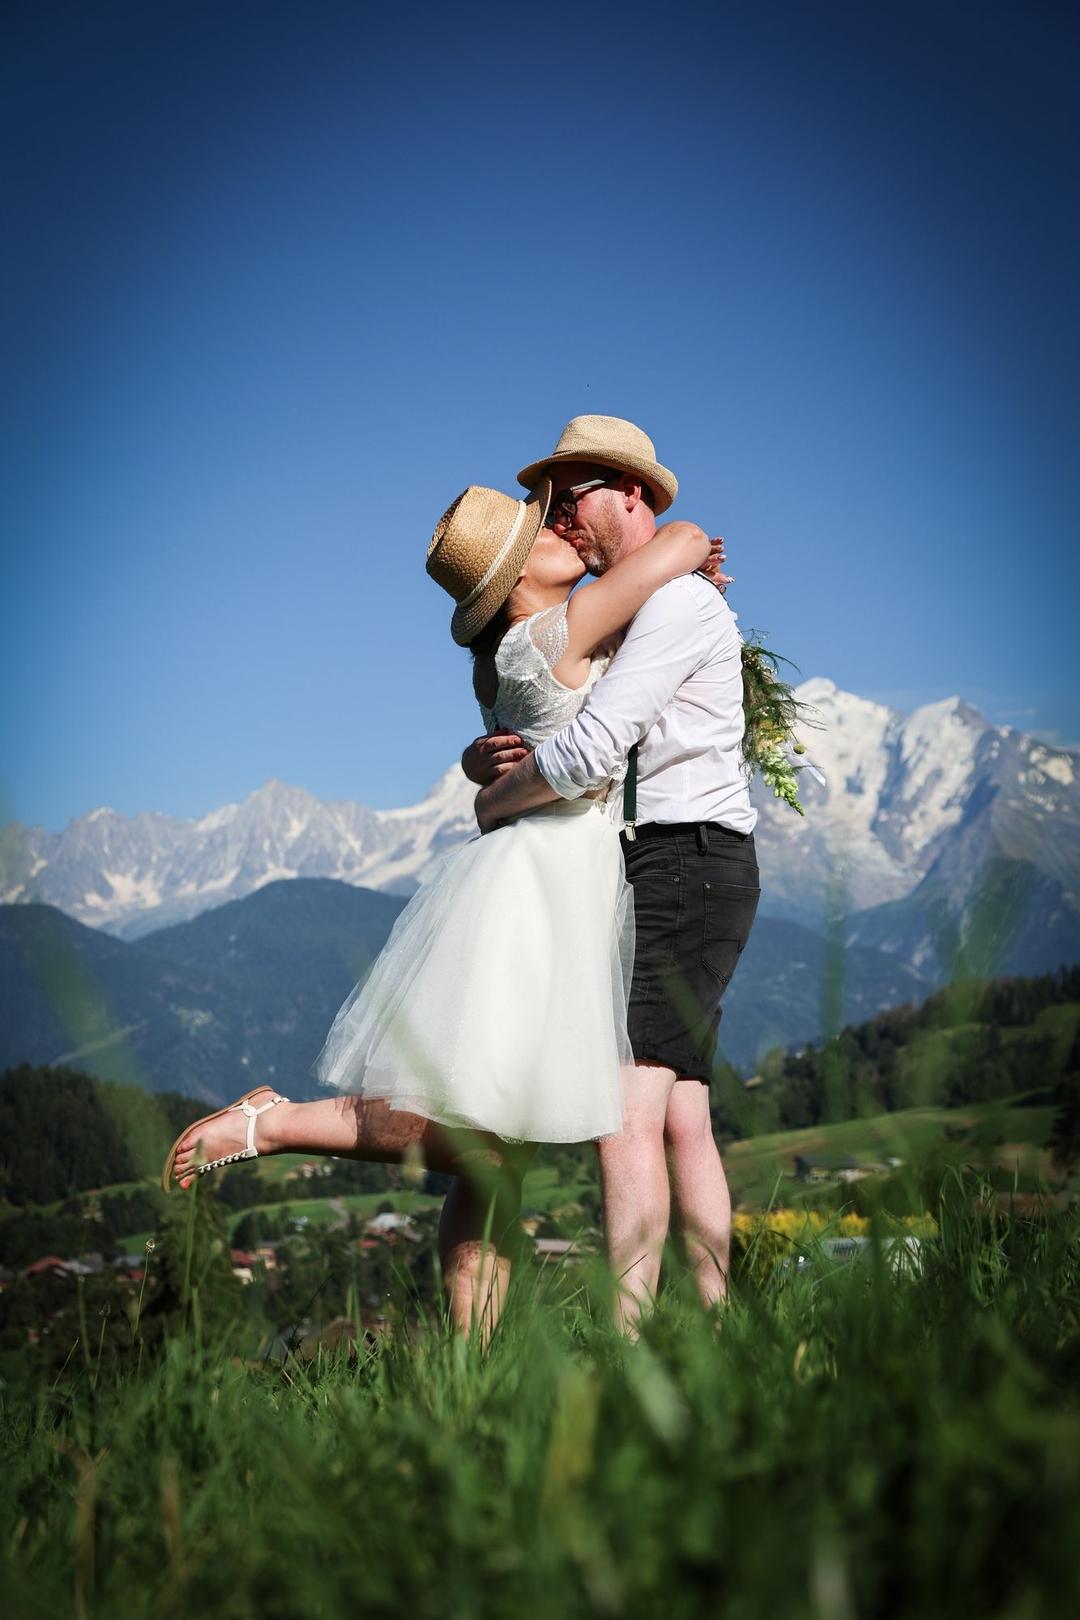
{"points": [[761, 1169], [853, 1441]]}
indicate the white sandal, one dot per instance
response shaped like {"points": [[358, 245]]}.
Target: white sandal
{"points": [[243, 1106]]}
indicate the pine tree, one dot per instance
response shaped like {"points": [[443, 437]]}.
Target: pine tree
{"points": [[1064, 1141]]}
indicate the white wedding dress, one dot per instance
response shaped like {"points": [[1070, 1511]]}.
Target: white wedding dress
{"points": [[499, 1000]]}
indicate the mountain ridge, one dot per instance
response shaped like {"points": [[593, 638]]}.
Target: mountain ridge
{"points": [[939, 790], [248, 990]]}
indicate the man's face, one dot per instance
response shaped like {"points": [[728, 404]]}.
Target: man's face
{"points": [[597, 530]]}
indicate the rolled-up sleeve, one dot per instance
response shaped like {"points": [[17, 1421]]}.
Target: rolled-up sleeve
{"points": [[663, 645]]}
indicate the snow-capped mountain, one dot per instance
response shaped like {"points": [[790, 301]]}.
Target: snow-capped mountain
{"points": [[914, 808], [903, 793], [130, 875]]}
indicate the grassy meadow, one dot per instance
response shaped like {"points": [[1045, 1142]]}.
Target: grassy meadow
{"points": [[1008, 1136], [847, 1440], [895, 1433]]}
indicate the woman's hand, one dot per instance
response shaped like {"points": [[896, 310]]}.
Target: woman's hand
{"points": [[488, 758], [711, 567]]}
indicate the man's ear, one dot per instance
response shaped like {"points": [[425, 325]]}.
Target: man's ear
{"points": [[630, 490]]}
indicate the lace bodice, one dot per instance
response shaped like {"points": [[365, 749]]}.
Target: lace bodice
{"points": [[529, 699]]}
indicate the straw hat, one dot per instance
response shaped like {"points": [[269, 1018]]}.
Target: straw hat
{"points": [[608, 441], [480, 546]]}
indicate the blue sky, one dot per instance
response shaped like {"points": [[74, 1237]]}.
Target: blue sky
{"points": [[285, 279]]}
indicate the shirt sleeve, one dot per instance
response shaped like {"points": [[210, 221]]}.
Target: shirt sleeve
{"points": [[664, 644]]}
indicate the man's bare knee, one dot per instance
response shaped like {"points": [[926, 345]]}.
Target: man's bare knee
{"points": [[688, 1121]]}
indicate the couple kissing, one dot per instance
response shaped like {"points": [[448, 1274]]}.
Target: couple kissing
{"points": [[559, 978]]}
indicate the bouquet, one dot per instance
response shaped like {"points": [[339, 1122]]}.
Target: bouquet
{"points": [[772, 711]]}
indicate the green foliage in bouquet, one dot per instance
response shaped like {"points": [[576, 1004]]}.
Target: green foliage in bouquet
{"points": [[772, 712]]}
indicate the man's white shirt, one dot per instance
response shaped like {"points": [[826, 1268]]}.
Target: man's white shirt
{"points": [[674, 687]]}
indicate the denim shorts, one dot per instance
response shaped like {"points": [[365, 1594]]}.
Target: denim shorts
{"points": [[696, 893]]}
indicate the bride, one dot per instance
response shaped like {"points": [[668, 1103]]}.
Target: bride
{"points": [[495, 1017]]}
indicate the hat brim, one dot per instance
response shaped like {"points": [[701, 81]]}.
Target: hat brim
{"points": [[662, 482], [469, 621]]}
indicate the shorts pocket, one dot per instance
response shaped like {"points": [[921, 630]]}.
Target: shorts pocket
{"points": [[644, 861], [728, 912]]}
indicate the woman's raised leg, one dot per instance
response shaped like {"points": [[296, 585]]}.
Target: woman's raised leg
{"points": [[478, 1227], [344, 1127]]}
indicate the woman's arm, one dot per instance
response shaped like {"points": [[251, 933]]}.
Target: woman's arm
{"points": [[598, 611]]}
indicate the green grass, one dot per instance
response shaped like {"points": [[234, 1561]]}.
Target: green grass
{"points": [[850, 1443], [282, 1165], [7, 1211], [134, 1242], [756, 1164], [327, 1212], [1061, 1023], [543, 1191], [316, 1211]]}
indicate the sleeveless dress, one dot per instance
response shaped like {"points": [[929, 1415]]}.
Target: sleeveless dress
{"points": [[499, 1000]]}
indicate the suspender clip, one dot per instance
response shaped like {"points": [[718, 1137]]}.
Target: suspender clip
{"points": [[629, 797]]}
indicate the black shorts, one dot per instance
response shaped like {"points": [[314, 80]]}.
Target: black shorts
{"points": [[696, 893]]}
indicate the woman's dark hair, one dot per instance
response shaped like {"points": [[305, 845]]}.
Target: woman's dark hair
{"points": [[485, 641]]}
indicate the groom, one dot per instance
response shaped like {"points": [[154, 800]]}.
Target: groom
{"points": [[674, 689]]}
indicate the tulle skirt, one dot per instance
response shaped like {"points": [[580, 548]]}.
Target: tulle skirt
{"points": [[499, 1000]]}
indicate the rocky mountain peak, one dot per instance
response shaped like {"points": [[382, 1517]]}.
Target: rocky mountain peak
{"points": [[900, 792]]}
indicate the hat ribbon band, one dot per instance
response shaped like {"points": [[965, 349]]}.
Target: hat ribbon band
{"points": [[500, 558]]}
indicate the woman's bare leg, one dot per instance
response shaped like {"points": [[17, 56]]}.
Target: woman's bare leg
{"points": [[479, 1220], [344, 1127], [479, 1238]]}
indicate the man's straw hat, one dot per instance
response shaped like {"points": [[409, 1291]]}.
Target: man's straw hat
{"points": [[608, 441], [480, 546]]}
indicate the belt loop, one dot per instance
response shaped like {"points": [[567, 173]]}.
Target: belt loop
{"points": [[702, 838]]}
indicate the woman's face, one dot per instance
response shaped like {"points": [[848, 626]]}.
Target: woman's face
{"points": [[553, 561]]}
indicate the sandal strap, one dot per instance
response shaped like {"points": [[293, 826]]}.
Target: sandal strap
{"points": [[248, 1108]]}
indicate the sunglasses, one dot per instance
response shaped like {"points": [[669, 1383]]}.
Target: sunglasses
{"points": [[564, 505]]}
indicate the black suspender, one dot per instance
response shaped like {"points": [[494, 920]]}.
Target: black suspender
{"points": [[629, 794]]}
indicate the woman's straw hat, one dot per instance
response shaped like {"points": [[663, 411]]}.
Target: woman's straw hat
{"points": [[480, 546], [608, 441]]}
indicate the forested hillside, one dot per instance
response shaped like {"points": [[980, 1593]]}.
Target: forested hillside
{"points": [[62, 1133], [969, 1043]]}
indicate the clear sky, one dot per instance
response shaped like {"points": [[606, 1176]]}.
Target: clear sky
{"points": [[281, 279]]}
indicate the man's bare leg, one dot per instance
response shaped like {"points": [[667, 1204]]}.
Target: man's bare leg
{"points": [[634, 1185], [699, 1187]]}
